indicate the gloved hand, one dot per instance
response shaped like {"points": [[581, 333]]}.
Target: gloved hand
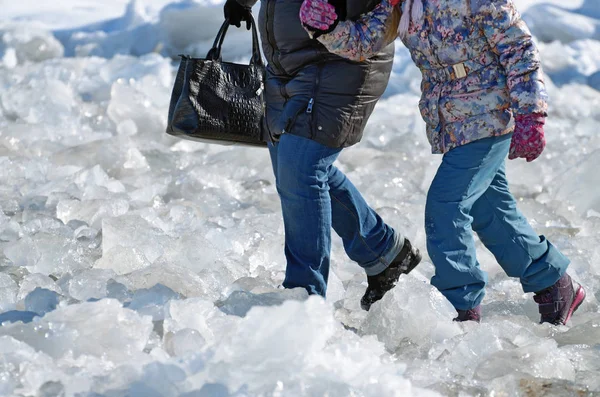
{"points": [[237, 13], [317, 15], [528, 140]]}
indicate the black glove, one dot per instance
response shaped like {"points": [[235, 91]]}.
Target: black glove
{"points": [[237, 13]]}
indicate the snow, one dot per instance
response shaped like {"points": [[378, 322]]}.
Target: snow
{"points": [[133, 263]]}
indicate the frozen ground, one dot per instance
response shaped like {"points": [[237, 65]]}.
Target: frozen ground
{"points": [[136, 264]]}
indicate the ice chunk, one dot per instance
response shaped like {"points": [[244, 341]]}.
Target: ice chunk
{"points": [[412, 311], [262, 351], [350, 319], [183, 342], [84, 232], [464, 353], [254, 285], [150, 75], [41, 301], [135, 160], [200, 315], [28, 43], [36, 222], [34, 368], [127, 127], [30, 102], [298, 348], [87, 328], [91, 211], [571, 186], [95, 183], [194, 251], [134, 232], [587, 333], [158, 380], [9, 58], [355, 289], [52, 389], [14, 316], [129, 103], [104, 154], [546, 221], [152, 301], [541, 359], [209, 390], [9, 230], [34, 280], [47, 253], [118, 291], [22, 252], [335, 288], [179, 279], [122, 260], [8, 292], [90, 284], [240, 302], [524, 385]]}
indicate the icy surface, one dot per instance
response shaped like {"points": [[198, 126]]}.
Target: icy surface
{"points": [[136, 264]]}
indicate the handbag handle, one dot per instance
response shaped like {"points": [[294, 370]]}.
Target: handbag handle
{"points": [[215, 52]]}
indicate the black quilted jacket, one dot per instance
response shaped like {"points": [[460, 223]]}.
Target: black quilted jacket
{"points": [[310, 92]]}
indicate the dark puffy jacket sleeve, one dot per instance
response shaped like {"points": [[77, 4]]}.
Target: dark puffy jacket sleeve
{"points": [[247, 3], [510, 38]]}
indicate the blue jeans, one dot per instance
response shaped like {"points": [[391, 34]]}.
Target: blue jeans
{"points": [[470, 193], [316, 196]]}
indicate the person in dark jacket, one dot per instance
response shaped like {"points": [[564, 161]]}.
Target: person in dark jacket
{"points": [[318, 103]]}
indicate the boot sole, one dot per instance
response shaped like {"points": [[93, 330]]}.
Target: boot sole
{"points": [[577, 301]]}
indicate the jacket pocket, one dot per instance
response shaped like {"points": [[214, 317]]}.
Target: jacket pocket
{"points": [[291, 122], [424, 109], [479, 102], [428, 106]]}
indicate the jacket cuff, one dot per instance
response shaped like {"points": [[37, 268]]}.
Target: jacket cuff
{"points": [[315, 33]]}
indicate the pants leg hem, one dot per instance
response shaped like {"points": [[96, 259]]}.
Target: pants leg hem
{"points": [[377, 266]]}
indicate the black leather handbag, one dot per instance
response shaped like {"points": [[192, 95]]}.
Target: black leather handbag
{"points": [[219, 102]]}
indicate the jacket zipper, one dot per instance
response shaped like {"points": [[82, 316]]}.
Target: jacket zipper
{"points": [[311, 103], [308, 109], [271, 34], [310, 106]]}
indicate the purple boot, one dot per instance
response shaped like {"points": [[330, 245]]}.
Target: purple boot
{"points": [[558, 302], [473, 314]]}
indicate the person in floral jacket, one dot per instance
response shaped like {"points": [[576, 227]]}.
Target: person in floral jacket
{"points": [[481, 69]]}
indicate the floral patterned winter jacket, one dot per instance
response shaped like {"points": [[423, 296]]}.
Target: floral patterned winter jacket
{"points": [[478, 61]]}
